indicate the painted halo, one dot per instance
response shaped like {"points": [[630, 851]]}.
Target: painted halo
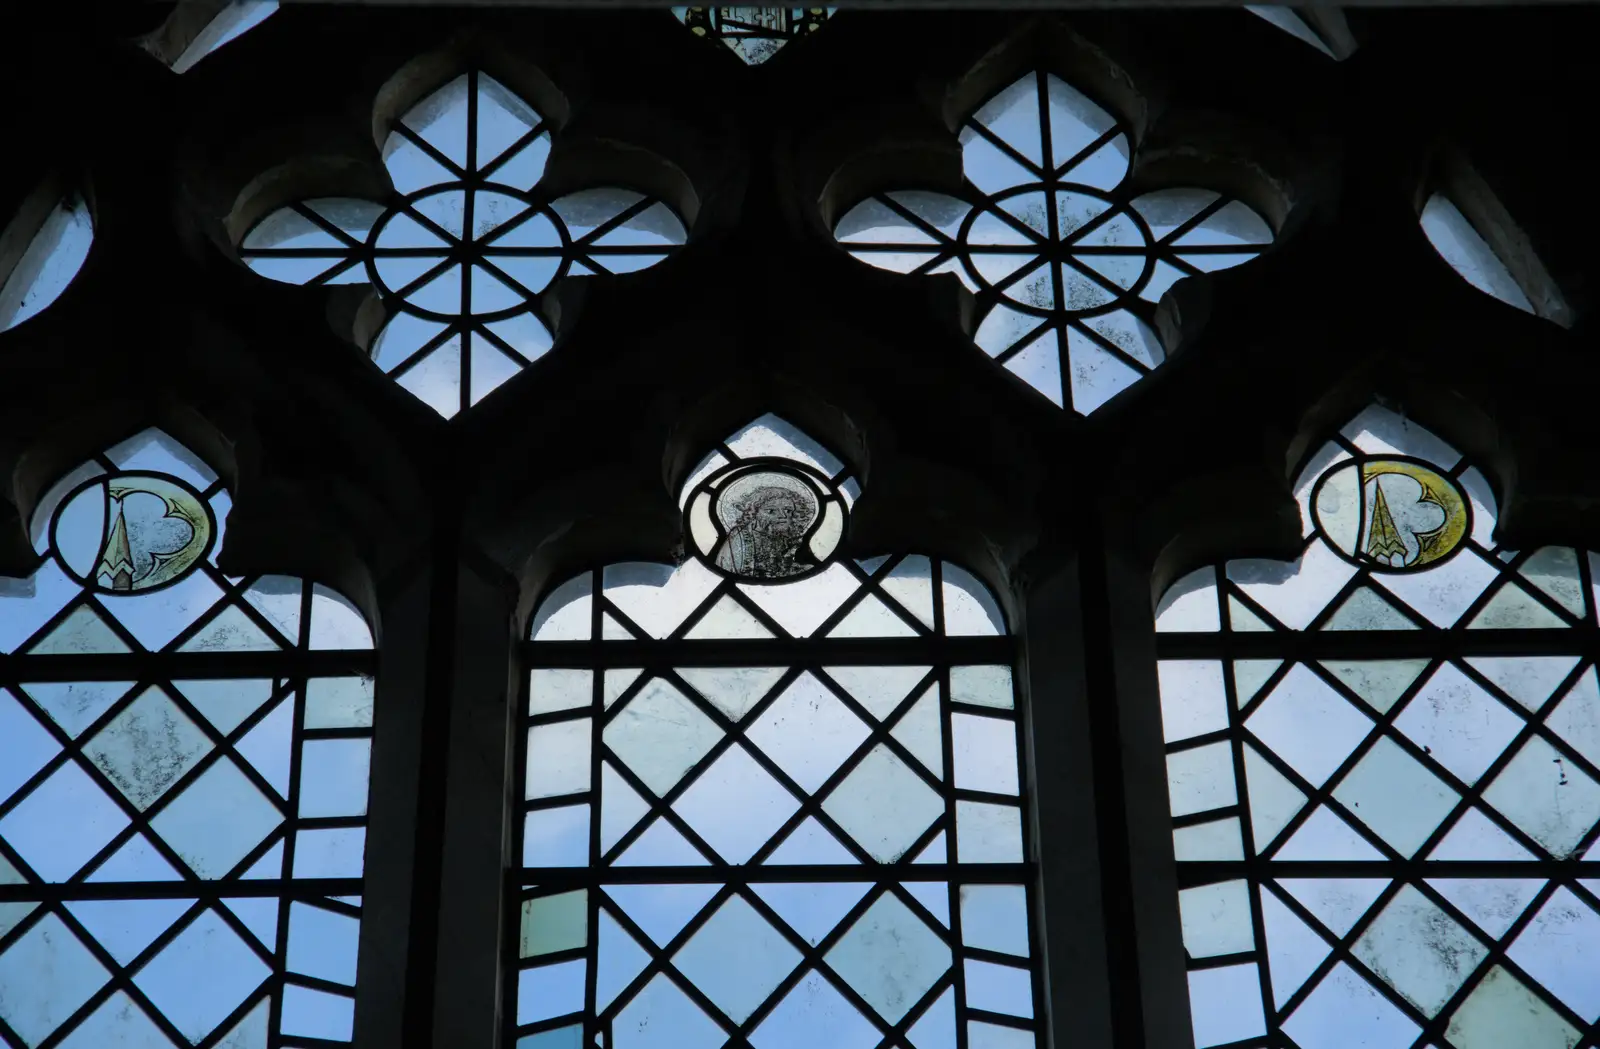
{"points": [[1395, 514], [131, 532], [765, 520]]}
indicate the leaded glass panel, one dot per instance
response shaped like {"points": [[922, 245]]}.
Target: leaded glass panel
{"points": [[466, 244], [1066, 261], [1384, 767], [753, 33], [183, 776], [772, 796]]}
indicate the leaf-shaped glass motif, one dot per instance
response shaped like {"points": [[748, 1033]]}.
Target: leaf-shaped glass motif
{"points": [[753, 33], [1045, 168], [1407, 761], [463, 197]]}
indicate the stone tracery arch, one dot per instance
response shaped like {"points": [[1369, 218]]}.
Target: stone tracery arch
{"points": [[1382, 764]]}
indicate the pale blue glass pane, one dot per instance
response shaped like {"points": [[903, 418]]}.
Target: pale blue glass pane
{"points": [[316, 1014], [1225, 1005], [999, 988], [995, 918], [25, 745], [62, 823], [217, 819], [201, 976], [335, 852], [322, 943], [556, 837], [339, 702], [550, 991], [812, 1015], [333, 777]]}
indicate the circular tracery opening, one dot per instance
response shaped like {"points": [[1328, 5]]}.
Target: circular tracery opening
{"points": [[1075, 250]]}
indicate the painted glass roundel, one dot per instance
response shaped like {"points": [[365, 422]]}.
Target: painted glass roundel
{"points": [[133, 531], [1399, 514], [766, 519]]}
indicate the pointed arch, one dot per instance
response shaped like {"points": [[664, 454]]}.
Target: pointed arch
{"points": [[1383, 774], [773, 751], [182, 811]]}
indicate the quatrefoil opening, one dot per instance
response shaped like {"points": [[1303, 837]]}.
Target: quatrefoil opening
{"points": [[465, 244], [1066, 264]]}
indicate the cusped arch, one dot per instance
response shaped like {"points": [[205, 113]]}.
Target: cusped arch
{"points": [[1384, 745], [184, 796], [765, 521], [806, 752]]}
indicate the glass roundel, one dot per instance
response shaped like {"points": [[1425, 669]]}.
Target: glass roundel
{"points": [[133, 531], [766, 519], [1066, 263], [1396, 513], [466, 244]]}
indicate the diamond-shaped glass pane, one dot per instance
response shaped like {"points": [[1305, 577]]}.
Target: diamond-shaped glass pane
{"points": [[890, 957], [764, 958], [45, 975], [1419, 950], [815, 1014], [201, 976], [661, 734], [217, 820], [808, 732], [883, 805], [1545, 795], [147, 747], [736, 805]]}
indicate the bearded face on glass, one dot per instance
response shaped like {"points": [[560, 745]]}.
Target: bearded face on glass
{"points": [[767, 518]]}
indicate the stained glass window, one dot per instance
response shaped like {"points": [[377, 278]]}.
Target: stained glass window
{"points": [[183, 776], [772, 795], [1384, 768], [58, 232], [466, 243], [753, 33], [1066, 262]]}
